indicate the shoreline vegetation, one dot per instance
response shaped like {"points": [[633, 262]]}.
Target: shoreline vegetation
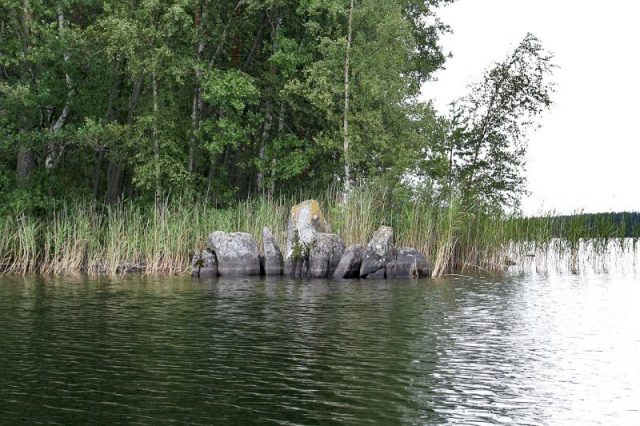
{"points": [[129, 131], [87, 237]]}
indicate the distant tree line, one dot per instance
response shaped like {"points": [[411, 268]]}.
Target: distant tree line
{"points": [[610, 225]]}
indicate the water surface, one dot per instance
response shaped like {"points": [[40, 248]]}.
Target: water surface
{"points": [[533, 349]]}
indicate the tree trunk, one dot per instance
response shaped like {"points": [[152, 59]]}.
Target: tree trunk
{"points": [[195, 120], [347, 167], [25, 166], [114, 181], [274, 160], [212, 61], [26, 162], [225, 30], [480, 139], [156, 141], [257, 46], [97, 173], [196, 107], [268, 116], [115, 170], [266, 129], [110, 116], [210, 174], [54, 152]]}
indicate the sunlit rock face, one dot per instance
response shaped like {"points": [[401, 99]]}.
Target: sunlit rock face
{"points": [[237, 253]]}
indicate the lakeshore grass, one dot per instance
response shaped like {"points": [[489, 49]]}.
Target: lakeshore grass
{"points": [[85, 236]]}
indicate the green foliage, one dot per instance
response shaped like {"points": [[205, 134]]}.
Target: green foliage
{"points": [[487, 137], [220, 101], [141, 98], [230, 93]]}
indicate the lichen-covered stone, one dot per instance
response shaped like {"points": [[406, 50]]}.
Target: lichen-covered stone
{"points": [[378, 253], [324, 255], [409, 263], [204, 264], [236, 252], [305, 221], [271, 254], [349, 266]]}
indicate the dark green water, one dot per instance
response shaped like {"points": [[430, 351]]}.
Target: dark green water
{"points": [[526, 350]]}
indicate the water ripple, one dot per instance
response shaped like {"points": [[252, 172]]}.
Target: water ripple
{"points": [[520, 350]]}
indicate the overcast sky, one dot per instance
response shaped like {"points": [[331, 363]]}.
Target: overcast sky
{"points": [[587, 153]]}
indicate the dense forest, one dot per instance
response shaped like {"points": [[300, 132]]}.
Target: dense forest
{"points": [[227, 99]]}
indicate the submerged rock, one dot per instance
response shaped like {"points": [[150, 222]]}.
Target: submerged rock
{"points": [[305, 221], [378, 253], [204, 264], [236, 252], [271, 254], [324, 255], [349, 266], [409, 263]]}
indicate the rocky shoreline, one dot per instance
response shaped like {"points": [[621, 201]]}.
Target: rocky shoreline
{"points": [[311, 251]]}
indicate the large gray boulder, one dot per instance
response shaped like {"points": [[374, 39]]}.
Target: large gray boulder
{"points": [[305, 221], [409, 263], [349, 266], [236, 252], [324, 255], [271, 254], [204, 264], [378, 253]]}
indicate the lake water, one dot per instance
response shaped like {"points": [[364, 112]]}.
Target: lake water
{"points": [[534, 349]]}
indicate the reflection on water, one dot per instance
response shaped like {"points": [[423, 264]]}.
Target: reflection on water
{"points": [[521, 350]]}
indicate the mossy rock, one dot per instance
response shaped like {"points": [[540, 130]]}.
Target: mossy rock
{"points": [[306, 220]]}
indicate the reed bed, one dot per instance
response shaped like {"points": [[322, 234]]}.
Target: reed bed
{"points": [[86, 237]]}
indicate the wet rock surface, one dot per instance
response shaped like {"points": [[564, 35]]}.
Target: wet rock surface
{"points": [[236, 252], [271, 255]]}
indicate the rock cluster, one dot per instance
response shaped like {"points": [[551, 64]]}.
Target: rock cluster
{"points": [[311, 251]]}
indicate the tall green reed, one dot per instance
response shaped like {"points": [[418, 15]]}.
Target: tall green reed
{"points": [[84, 236]]}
